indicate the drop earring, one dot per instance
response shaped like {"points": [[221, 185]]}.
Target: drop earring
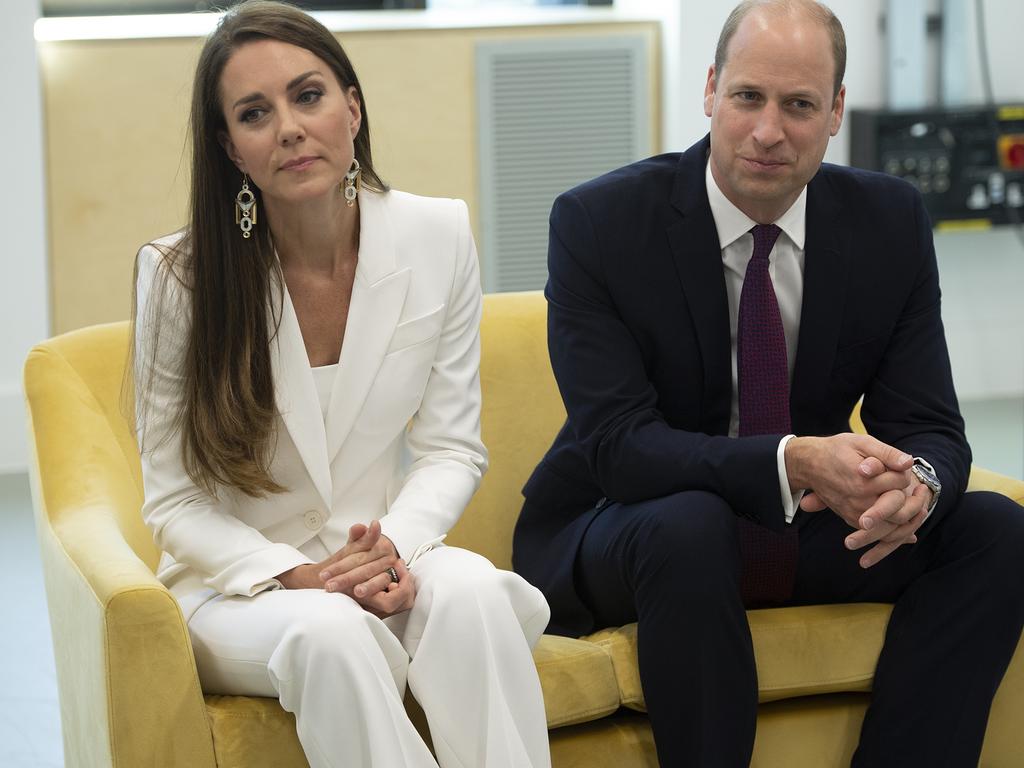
{"points": [[245, 208], [350, 186]]}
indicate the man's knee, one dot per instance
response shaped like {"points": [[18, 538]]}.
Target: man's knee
{"points": [[1005, 520], [992, 524]]}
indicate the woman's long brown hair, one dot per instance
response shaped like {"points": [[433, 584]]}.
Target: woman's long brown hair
{"points": [[227, 420]]}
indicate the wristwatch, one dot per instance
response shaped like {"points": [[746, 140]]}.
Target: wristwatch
{"points": [[925, 472]]}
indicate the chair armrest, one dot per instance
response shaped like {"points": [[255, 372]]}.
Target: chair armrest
{"points": [[123, 652], [130, 694]]}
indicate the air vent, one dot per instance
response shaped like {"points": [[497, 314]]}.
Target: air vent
{"points": [[552, 113]]}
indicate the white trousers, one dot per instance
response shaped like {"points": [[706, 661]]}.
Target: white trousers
{"points": [[464, 648]]}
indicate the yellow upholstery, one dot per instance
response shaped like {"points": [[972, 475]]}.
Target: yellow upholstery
{"points": [[129, 691], [799, 651]]}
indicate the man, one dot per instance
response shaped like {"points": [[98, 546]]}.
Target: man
{"points": [[703, 309]]}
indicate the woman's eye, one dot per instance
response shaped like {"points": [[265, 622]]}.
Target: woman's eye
{"points": [[310, 96], [251, 115]]}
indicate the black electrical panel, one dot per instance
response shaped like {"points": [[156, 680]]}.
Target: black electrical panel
{"points": [[968, 163]]}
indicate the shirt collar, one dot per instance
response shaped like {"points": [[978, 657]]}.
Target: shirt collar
{"points": [[732, 223]]}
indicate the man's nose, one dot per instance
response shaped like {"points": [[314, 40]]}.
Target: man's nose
{"points": [[768, 130]]}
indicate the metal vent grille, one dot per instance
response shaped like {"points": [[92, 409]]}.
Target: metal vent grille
{"points": [[552, 113]]}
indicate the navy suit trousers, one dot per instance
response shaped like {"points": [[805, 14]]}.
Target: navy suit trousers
{"points": [[672, 564]]}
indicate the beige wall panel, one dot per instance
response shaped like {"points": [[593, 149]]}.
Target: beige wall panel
{"points": [[118, 170]]}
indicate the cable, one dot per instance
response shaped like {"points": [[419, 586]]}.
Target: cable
{"points": [[983, 55]]}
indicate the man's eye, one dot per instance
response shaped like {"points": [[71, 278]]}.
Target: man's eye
{"points": [[747, 96]]}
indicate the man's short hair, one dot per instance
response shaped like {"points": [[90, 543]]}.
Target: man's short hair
{"points": [[817, 11]]}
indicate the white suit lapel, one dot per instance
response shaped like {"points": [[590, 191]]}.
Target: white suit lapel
{"points": [[378, 295], [297, 399]]}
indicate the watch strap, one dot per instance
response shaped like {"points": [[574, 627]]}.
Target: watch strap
{"points": [[925, 472]]}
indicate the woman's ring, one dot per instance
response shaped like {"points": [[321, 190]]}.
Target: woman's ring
{"points": [[393, 574]]}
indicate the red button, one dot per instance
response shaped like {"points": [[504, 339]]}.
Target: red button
{"points": [[1015, 156], [1011, 151]]}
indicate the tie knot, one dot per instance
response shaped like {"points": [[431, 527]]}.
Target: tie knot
{"points": [[765, 236]]}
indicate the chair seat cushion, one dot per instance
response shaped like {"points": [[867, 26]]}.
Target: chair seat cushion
{"points": [[799, 651], [253, 732], [578, 679]]}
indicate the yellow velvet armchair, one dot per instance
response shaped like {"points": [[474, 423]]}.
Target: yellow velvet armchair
{"points": [[129, 693]]}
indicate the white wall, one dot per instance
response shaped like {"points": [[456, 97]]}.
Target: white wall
{"points": [[1003, 21], [24, 310]]}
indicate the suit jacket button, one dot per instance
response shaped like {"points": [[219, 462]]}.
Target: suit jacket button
{"points": [[313, 519]]}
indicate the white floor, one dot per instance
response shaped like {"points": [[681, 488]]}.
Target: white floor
{"points": [[29, 712]]}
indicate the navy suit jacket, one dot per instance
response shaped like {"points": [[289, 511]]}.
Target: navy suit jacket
{"points": [[638, 333]]}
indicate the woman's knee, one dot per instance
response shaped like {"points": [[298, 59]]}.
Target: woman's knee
{"points": [[456, 581], [331, 618], [338, 631], [459, 576]]}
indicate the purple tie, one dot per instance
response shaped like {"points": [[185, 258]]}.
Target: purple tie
{"points": [[769, 558], [761, 346]]}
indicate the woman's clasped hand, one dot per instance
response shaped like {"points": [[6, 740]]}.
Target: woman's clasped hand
{"points": [[362, 569]]}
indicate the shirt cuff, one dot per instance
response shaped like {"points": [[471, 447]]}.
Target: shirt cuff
{"points": [[265, 586], [790, 499]]}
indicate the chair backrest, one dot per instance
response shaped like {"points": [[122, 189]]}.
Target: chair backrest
{"points": [[522, 412], [88, 455]]}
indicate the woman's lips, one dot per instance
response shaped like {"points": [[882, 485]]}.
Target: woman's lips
{"points": [[298, 164]]}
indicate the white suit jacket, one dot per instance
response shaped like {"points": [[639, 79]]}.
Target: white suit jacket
{"points": [[401, 440]]}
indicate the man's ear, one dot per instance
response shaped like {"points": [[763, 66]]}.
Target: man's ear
{"points": [[709, 91], [838, 109], [232, 152]]}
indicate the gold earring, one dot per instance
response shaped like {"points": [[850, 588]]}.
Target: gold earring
{"points": [[350, 186], [245, 208]]}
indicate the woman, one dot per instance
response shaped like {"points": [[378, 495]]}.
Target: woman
{"points": [[308, 408]]}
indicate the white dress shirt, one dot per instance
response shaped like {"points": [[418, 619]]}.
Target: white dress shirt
{"points": [[786, 269]]}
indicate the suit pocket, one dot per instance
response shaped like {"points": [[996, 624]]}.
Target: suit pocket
{"points": [[418, 330]]}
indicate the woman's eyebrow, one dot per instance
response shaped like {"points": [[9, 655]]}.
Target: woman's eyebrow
{"points": [[291, 84]]}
